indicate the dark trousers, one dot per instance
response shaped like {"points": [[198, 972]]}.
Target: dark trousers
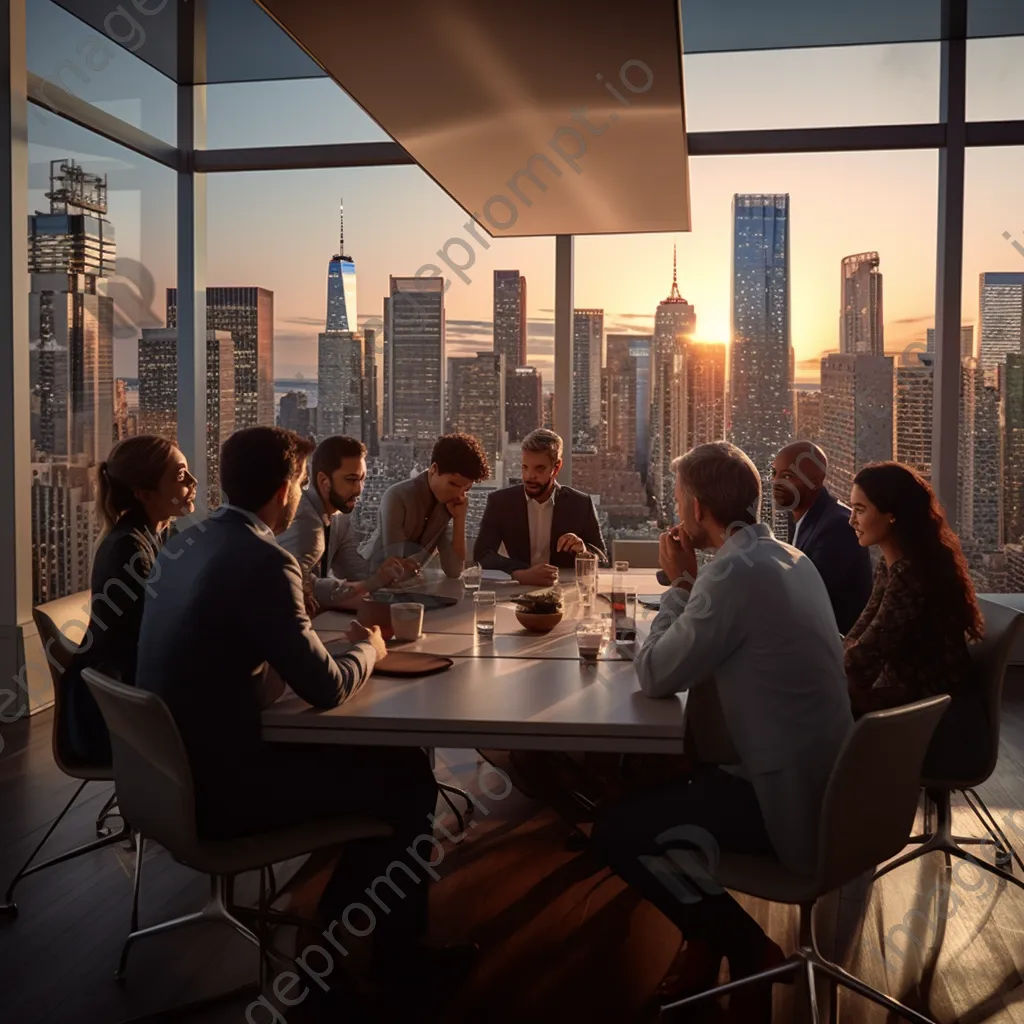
{"points": [[665, 843], [293, 784]]}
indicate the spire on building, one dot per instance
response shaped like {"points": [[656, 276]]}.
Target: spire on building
{"points": [[674, 295], [341, 229]]}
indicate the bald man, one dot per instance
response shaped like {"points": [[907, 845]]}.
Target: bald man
{"points": [[822, 529]]}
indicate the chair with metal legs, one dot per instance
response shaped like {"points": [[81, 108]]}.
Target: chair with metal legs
{"points": [[59, 648], [154, 784], [867, 812], [990, 658]]}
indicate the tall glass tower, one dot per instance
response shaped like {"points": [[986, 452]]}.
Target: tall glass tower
{"points": [[341, 285], [761, 392]]}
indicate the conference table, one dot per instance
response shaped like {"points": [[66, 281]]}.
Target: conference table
{"points": [[516, 691]]}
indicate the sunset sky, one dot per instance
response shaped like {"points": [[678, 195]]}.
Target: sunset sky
{"points": [[278, 230]]}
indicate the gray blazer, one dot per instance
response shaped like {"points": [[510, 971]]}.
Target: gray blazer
{"points": [[759, 622], [305, 540], [412, 523], [223, 603]]}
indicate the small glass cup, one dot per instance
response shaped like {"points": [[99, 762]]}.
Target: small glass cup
{"points": [[590, 635], [471, 578], [485, 608], [586, 579], [621, 567]]}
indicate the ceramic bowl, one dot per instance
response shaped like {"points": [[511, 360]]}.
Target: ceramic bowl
{"points": [[539, 623]]}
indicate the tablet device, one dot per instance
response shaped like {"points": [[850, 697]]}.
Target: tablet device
{"points": [[430, 602], [649, 601]]}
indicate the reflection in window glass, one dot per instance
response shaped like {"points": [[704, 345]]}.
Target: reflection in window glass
{"points": [[761, 294], [299, 112], [74, 58], [992, 403], [101, 253], [995, 79], [853, 85], [281, 232]]}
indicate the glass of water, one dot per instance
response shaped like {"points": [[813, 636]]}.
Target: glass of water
{"points": [[471, 577], [586, 580], [485, 608], [590, 637]]}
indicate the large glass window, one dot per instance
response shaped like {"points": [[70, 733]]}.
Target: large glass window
{"points": [[101, 251], [279, 233], [77, 59], [995, 79], [853, 85], [761, 281], [992, 378]]}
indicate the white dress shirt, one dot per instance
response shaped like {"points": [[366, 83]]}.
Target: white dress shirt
{"points": [[796, 529], [541, 516]]}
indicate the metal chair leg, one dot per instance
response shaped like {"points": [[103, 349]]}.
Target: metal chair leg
{"points": [[9, 907], [107, 811], [448, 792], [1005, 853], [133, 930], [847, 980]]}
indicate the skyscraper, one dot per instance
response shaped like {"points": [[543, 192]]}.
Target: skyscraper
{"points": [[856, 398], [978, 463], [158, 394], [372, 391], [587, 345], [914, 401], [1000, 318], [248, 313], [293, 412], [761, 419], [415, 358], [71, 254], [860, 317], [629, 394], [341, 285], [523, 402], [966, 341], [808, 425], [674, 322], [1011, 429], [705, 393], [341, 384], [510, 317], [476, 390]]}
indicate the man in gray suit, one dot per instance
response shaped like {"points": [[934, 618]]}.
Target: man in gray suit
{"points": [[321, 536], [226, 604], [758, 621]]}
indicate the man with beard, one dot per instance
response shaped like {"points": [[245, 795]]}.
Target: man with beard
{"points": [[542, 524], [321, 536]]}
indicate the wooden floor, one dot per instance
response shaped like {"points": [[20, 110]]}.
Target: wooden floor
{"points": [[560, 938]]}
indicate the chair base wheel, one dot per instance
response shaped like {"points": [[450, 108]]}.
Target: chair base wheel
{"points": [[8, 909]]}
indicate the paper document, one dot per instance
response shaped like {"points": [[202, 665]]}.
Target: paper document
{"points": [[494, 576]]}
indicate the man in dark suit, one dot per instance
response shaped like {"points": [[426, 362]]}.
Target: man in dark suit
{"points": [[226, 609], [821, 529], [542, 525]]}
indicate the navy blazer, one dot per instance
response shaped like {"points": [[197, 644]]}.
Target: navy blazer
{"points": [[828, 540], [506, 521]]}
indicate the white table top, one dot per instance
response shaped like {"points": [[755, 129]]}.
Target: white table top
{"points": [[517, 691]]}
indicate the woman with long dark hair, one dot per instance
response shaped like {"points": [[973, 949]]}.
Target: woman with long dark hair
{"points": [[143, 484], [911, 640]]}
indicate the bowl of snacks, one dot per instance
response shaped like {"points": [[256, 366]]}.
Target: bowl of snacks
{"points": [[540, 610]]}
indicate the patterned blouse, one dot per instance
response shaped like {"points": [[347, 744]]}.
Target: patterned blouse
{"points": [[899, 650]]}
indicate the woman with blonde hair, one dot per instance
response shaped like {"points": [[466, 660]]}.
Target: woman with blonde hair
{"points": [[143, 484]]}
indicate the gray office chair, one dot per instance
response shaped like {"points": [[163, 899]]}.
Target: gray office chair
{"points": [[990, 658], [154, 784], [59, 648], [867, 813]]}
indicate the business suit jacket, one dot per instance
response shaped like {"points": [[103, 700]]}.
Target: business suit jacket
{"points": [[123, 561], [227, 604], [412, 523], [506, 521], [758, 622], [828, 540], [304, 538]]}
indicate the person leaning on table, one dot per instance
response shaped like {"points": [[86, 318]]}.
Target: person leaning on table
{"points": [[229, 606], [542, 525], [428, 513], [322, 537], [757, 620]]}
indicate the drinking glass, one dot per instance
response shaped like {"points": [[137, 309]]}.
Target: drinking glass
{"points": [[586, 580], [485, 608], [471, 577], [624, 615], [590, 634]]}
